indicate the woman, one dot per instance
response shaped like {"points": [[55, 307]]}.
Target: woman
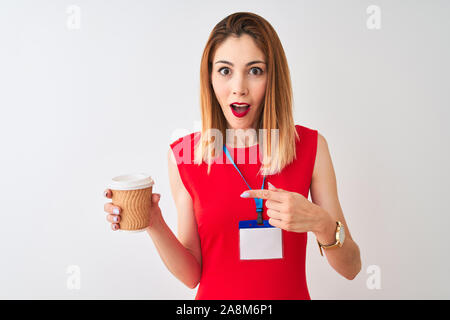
{"points": [[236, 240]]}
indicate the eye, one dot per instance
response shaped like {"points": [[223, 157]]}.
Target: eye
{"points": [[259, 71], [224, 68], [257, 68]]}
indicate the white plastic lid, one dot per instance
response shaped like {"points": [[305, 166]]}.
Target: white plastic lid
{"points": [[132, 181]]}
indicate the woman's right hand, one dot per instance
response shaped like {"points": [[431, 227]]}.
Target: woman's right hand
{"points": [[114, 211]]}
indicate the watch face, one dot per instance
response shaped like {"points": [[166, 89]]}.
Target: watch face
{"points": [[341, 234]]}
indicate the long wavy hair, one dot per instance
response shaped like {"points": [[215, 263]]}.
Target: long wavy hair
{"points": [[277, 105]]}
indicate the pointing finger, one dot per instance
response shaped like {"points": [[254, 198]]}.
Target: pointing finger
{"points": [[263, 194]]}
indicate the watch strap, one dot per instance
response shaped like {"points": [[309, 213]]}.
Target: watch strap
{"points": [[333, 245]]}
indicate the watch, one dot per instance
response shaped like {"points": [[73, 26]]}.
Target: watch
{"points": [[340, 237]]}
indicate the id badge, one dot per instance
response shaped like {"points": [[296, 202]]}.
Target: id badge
{"points": [[259, 242]]}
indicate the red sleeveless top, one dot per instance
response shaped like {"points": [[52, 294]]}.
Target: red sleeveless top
{"points": [[218, 209]]}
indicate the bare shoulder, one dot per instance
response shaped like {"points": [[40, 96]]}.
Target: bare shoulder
{"points": [[179, 192], [187, 225], [324, 191], [323, 184], [323, 157]]}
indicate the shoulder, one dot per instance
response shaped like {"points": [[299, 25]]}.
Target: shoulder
{"points": [[190, 137], [306, 134], [303, 130], [182, 149], [323, 162], [313, 138]]}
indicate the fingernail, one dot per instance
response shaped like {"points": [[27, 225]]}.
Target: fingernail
{"points": [[116, 211], [105, 193], [245, 194], [116, 219]]}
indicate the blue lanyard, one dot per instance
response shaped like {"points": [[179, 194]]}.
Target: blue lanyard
{"points": [[258, 201]]}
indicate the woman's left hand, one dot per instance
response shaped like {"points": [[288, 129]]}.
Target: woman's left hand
{"points": [[290, 211]]}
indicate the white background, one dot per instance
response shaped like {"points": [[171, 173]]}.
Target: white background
{"points": [[79, 106]]}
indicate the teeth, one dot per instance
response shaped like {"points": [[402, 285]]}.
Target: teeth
{"points": [[241, 106]]}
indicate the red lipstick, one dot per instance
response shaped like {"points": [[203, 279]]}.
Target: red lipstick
{"points": [[240, 109]]}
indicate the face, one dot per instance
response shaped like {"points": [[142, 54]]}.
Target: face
{"points": [[239, 75]]}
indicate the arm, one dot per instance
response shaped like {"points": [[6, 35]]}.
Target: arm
{"points": [[182, 255], [345, 260]]}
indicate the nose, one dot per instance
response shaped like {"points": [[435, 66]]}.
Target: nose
{"points": [[240, 92], [239, 86]]}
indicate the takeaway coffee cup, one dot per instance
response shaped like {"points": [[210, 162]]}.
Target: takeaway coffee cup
{"points": [[133, 194]]}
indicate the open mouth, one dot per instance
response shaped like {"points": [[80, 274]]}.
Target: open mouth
{"points": [[240, 110]]}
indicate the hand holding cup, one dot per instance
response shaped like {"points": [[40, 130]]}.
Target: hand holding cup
{"points": [[134, 207]]}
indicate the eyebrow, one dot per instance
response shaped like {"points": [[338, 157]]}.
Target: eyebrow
{"points": [[248, 64]]}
